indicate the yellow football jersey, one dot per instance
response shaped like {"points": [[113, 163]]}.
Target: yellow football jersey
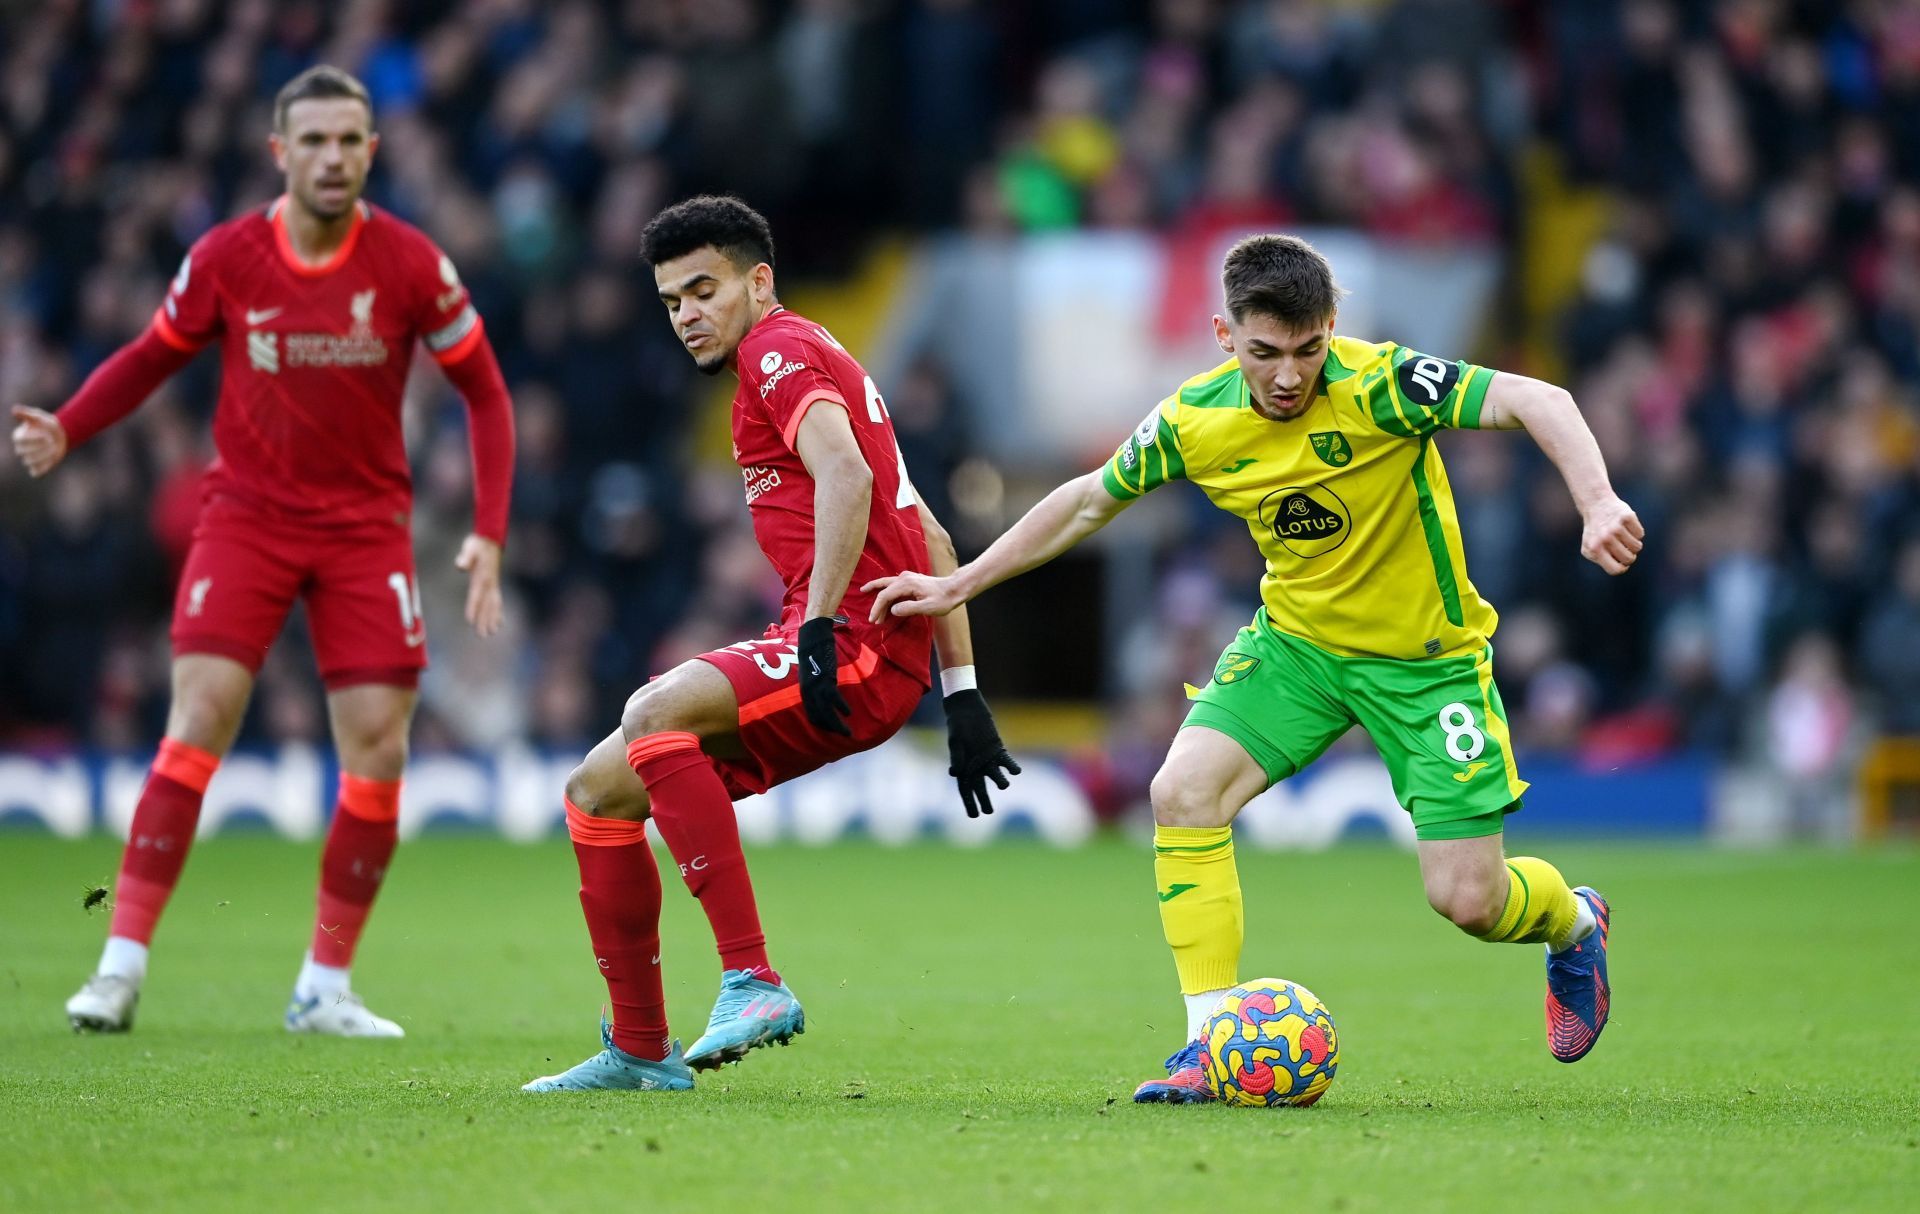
{"points": [[1349, 501]]}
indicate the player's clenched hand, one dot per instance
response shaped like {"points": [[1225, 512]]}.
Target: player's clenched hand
{"points": [[975, 750], [912, 594], [820, 677], [479, 559], [38, 439], [1612, 536]]}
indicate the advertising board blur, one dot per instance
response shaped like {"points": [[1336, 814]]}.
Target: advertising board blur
{"points": [[898, 793]]}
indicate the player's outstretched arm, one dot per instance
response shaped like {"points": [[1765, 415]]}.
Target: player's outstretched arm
{"points": [[116, 388], [1611, 534], [1063, 518], [975, 752], [38, 439]]}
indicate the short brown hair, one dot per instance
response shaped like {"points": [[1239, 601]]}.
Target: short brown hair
{"points": [[1283, 277], [321, 81]]}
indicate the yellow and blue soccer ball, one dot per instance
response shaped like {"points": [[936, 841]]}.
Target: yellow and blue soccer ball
{"points": [[1270, 1042]]}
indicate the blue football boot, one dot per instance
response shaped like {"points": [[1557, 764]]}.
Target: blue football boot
{"points": [[749, 1014], [1578, 997], [615, 1070], [1186, 1081]]}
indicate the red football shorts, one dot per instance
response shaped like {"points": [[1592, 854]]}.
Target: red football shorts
{"points": [[780, 742], [245, 571]]}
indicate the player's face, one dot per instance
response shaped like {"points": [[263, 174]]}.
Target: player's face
{"points": [[712, 303], [325, 152], [1281, 364]]}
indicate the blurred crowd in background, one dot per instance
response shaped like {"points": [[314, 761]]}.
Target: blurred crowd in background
{"points": [[1744, 338]]}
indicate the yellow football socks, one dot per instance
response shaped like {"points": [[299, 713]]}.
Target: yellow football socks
{"points": [[1540, 907], [1200, 908]]}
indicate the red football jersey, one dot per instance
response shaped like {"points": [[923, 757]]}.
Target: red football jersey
{"points": [[314, 358], [787, 365]]}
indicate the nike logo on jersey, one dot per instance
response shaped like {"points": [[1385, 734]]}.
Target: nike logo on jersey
{"points": [[262, 317], [1230, 469], [1174, 891], [415, 640], [1473, 769]]}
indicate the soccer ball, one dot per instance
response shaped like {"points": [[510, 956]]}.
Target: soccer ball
{"points": [[1269, 1042]]}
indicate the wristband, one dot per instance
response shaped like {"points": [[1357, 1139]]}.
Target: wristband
{"points": [[957, 678]]}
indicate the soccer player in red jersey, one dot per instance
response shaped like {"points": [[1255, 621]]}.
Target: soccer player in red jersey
{"points": [[316, 302], [832, 508]]}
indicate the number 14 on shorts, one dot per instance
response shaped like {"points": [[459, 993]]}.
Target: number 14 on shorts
{"points": [[406, 589]]}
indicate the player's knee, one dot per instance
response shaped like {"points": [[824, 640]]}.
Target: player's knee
{"points": [[592, 794], [377, 758], [374, 748], [582, 791], [643, 715], [1470, 903], [1180, 801], [204, 718]]}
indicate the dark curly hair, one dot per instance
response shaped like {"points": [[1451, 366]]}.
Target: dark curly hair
{"points": [[1283, 277], [738, 231]]}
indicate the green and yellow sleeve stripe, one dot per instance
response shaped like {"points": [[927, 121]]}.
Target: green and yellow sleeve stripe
{"points": [[1139, 467], [1393, 412], [1470, 396]]}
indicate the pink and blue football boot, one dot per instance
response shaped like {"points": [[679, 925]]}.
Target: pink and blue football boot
{"points": [[1186, 1081], [615, 1070], [750, 1013], [1578, 997]]}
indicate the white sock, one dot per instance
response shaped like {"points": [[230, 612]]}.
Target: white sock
{"points": [[124, 958], [1583, 923], [317, 979], [1199, 1007]]}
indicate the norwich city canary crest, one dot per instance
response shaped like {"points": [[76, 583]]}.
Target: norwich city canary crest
{"points": [[1234, 667], [1332, 447]]}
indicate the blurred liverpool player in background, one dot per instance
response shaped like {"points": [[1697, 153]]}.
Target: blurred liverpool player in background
{"points": [[316, 302], [832, 508]]}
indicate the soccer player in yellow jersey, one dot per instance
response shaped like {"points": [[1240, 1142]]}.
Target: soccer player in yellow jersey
{"points": [[1325, 446]]}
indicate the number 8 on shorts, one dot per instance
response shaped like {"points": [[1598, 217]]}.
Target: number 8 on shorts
{"points": [[1464, 739]]}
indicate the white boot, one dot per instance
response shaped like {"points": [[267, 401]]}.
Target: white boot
{"points": [[337, 1014], [105, 1004]]}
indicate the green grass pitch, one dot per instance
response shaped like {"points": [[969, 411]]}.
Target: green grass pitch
{"points": [[977, 1021]]}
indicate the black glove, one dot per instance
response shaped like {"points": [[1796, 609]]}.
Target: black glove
{"points": [[819, 677], [975, 750]]}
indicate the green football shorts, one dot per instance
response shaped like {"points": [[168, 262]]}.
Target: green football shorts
{"points": [[1437, 723]]}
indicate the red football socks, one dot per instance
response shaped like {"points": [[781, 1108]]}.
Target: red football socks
{"points": [[620, 894], [695, 817], [163, 823], [366, 826]]}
